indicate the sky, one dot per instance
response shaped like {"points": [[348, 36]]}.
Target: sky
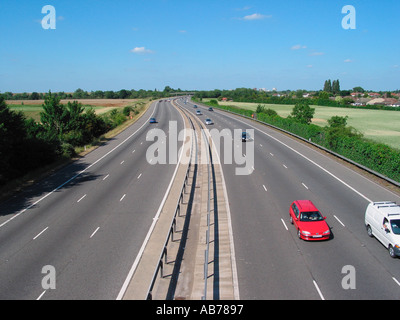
{"points": [[198, 45]]}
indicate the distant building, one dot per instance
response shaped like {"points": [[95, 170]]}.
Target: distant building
{"points": [[379, 101]]}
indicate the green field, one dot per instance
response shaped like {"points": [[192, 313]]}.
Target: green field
{"points": [[379, 125], [33, 111]]}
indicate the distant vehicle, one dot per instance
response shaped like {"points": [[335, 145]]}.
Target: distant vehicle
{"points": [[153, 120], [309, 222], [210, 109], [198, 112], [209, 121], [245, 136], [382, 220], [195, 106]]}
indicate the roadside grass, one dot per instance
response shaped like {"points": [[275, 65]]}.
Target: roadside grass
{"points": [[378, 125]]}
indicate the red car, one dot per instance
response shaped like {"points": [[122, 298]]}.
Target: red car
{"points": [[309, 222]]}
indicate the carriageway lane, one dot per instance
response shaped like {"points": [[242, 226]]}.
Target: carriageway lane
{"points": [[272, 263], [91, 229]]}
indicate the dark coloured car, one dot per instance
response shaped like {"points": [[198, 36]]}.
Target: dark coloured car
{"points": [[245, 136]]}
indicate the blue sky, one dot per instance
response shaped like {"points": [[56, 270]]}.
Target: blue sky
{"points": [[203, 45]]}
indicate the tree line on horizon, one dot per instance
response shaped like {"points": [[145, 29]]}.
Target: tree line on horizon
{"points": [[332, 88], [98, 94]]}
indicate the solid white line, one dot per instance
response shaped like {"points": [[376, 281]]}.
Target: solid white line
{"points": [[339, 220], [37, 236], [94, 232], [41, 295], [77, 175], [122, 197], [106, 177], [265, 188], [305, 186], [235, 277], [81, 198], [122, 161], [395, 280], [319, 291], [285, 225], [139, 176], [284, 166], [146, 240]]}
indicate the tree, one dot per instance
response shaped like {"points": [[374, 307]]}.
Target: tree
{"points": [[12, 135], [336, 87], [35, 96], [123, 94], [358, 89], [55, 116], [338, 122], [75, 111], [323, 95], [338, 129], [328, 86], [302, 113], [80, 94]]}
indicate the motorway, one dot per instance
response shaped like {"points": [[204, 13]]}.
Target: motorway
{"points": [[88, 220], [272, 263]]}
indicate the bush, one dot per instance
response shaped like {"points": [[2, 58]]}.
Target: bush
{"points": [[68, 150], [127, 111]]}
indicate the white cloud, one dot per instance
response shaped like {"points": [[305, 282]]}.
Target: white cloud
{"points": [[348, 60], [317, 54], [255, 16], [298, 47], [310, 66], [141, 50], [243, 9]]}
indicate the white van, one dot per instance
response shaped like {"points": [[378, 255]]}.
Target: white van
{"points": [[382, 220]]}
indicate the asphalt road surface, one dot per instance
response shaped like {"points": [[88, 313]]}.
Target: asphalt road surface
{"points": [[87, 221], [272, 262]]}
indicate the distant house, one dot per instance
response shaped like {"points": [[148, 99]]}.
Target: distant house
{"points": [[361, 101], [391, 102], [379, 101]]}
